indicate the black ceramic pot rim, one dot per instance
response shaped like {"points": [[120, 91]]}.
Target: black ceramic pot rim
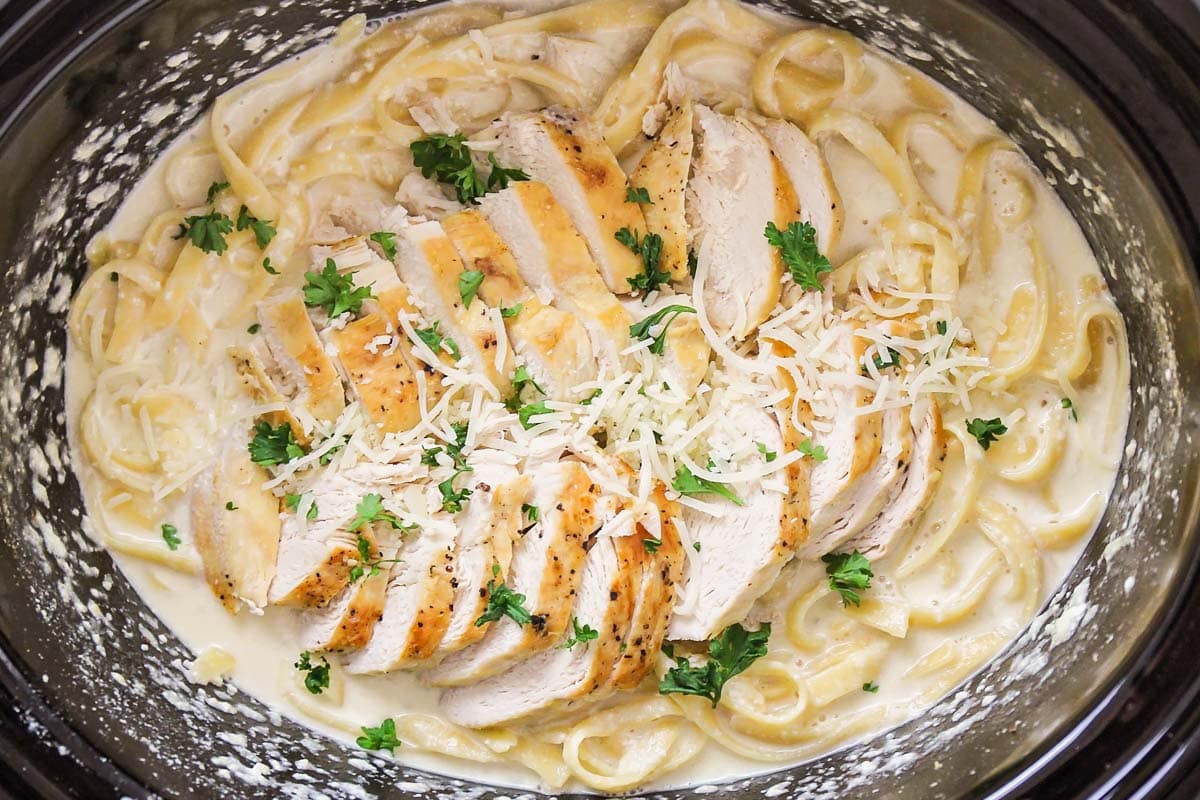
{"points": [[1140, 61]]}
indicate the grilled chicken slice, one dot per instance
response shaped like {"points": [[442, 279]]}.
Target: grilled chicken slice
{"points": [[553, 678], [488, 528], [852, 446], [564, 150], [235, 523], [546, 568], [552, 345], [686, 352], [742, 552], [554, 261], [372, 355], [316, 555], [663, 173], [853, 509], [349, 620], [907, 500], [820, 203], [737, 187], [288, 364], [655, 598], [431, 268], [420, 599]]}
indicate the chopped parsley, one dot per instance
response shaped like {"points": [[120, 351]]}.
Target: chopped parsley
{"points": [[986, 431], [650, 249], [292, 503], [530, 511], [687, 483], [214, 189], [274, 445], [114, 277], [1070, 407], [580, 634], [814, 451], [587, 401], [448, 160], [433, 337], [316, 678], [334, 292], [229, 506], [696, 546], [453, 500], [503, 602], [387, 242], [651, 545], [170, 535], [530, 410], [871, 686], [769, 455], [255, 328], [639, 195], [798, 249], [207, 231], [329, 454], [693, 263], [641, 330], [893, 360], [942, 327], [511, 311], [370, 510], [520, 379], [380, 738], [264, 231], [266, 265], [849, 574], [469, 282], [367, 565], [729, 654]]}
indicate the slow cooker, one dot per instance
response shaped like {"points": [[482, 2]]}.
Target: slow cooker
{"points": [[1104, 96]]}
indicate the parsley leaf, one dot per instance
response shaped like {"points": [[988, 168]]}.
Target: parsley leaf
{"points": [[229, 506], [214, 189], [730, 654], [639, 195], [503, 602], [387, 241], [328, 455], [521, 378], [207, 232], [814, 451], [317, 678], [881, 365], [696, 546], [170, 535], [266, 265], [511, 311], [254, 328], [264, 231], [370, 510], [986, 431], [500, 176], [292, 503], [334, 292], [453, 500], [849, 573], [274, 445], [531, 511], [468, 285], [380, 738], [942, 327], [798, 248], [1069, 406], [769, 455], [871, 686], [531, 410], [687, 483], [433, 337], [587, 401], [448, 160], [366, 561], [641, 330], [650, 249], [651, 545], [581, 634]]}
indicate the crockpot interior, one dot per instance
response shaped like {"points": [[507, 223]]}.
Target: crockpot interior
{"points": [[87, 665]]}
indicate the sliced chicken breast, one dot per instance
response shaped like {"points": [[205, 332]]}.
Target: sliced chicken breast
{"points": [[909, 498], [663, 173], [349, 620], [851, 510], [546, 568], [552, 345], [316, 555], [488, 528], [288, 364], [235, 523], [742, 552], [564, 150], [430, 267], [553, 678], [419, 602], [372, 355], [555, 263], [737, 187], [820, 203]]}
